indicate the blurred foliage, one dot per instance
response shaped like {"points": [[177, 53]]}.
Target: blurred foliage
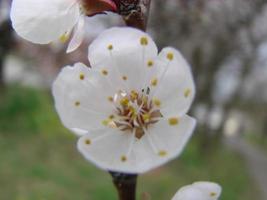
{"points": [[257, 140], [38, 160], [26, 111]]}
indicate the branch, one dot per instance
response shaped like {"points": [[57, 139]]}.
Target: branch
{"points": [[125, 185], [135, 12]]}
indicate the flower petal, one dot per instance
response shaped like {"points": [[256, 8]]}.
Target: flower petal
{"points": [[107, 149], [176, 88], [189, 193], [212, 190], [128, 49], [77, 37], [44, 21], [166, 140], [80, 100], [199, 191], [139, 157]]}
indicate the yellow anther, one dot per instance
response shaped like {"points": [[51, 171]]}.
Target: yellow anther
{"points": [[64, 38], [170, 56], [87, 142], [111, 117], [110, 47], [124, 101], [134, 95], [132, 111], [144, 99], [187, 92], [213, 194], [124, 78], [123, 158], [157, 102], [110, 99], [144, 41], [81, 76], [150, 63], [154, 82], [162, 153], [77, 103], [106, 122], [146, 117], [104, 72], [173, 121]]}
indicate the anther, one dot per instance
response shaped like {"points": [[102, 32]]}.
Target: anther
{"points": [[170, 56], [173, 121], [144, 41], [110, 47]]}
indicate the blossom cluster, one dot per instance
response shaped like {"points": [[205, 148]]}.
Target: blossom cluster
{"points": [[129, 108]]}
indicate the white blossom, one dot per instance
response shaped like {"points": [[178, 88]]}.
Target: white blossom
{"points": [[46, 21], [199, 191], [130, 107]]}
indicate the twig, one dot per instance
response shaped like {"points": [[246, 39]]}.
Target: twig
{"points": [[125, 185]]}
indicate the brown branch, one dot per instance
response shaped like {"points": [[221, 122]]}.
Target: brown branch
{"points": [[135, 12], [125, 185]]}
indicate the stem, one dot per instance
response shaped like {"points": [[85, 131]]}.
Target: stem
{"points": [[125, 185], [137, 15]]}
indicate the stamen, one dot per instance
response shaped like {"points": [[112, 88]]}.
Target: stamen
{"points": [[110, 99], [170, 56], [154, 82], [154, 148], [173, 121], [146, 117], [110, 47], [162, 153], [81, 76], [87, 142], [64, 38], [144, 41], [157, 102], [123, 158], [77, 103], [124, 101], [150, 63], [124, 78], [104, 72], [213, 194], [187, 92]]}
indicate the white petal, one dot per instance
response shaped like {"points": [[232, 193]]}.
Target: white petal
{"points": [[123, 48], [44, 21], [80, 100], [107, 149], [199, 191], [77, 37], [189, 193], [212, 190], [176, 88], [141, 157], [171, 138]]}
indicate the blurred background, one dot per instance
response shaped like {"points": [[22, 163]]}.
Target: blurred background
{"points": [[225, 42]]}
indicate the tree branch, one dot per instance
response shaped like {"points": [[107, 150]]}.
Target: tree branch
{"points": [[125, 185], [135, 12]]}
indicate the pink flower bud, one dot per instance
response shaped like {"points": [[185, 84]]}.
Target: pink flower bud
{"points": [[92, 7]]}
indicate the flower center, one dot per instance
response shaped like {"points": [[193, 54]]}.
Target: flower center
{"points": [[135, 112]]}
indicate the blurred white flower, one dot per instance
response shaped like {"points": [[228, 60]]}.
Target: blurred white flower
{"points": [[45, 21], [130, 107], [199, 191]]}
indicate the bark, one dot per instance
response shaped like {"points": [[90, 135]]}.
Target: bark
{"points": [[135, 12], [6, 41], [125, 185]]}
